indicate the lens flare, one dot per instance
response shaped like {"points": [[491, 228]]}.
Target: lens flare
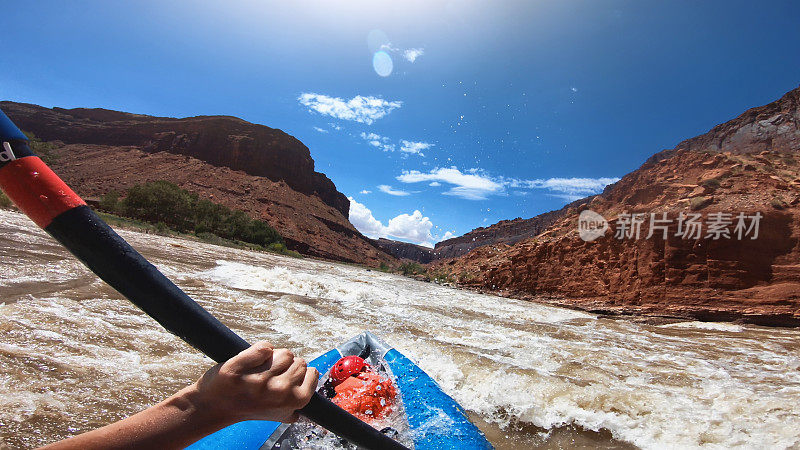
{"points": [[382, 63]]}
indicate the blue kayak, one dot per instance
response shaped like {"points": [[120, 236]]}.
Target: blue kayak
{"points": [[431, 419]]}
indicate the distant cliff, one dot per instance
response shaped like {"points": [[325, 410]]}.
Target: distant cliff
{"points": [[404, 250], [503, 232], [253, 168]]}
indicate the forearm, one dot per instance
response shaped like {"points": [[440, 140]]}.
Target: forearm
{"points": [[174, 423], [257, 384]]}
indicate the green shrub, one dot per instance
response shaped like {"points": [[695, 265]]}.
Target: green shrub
{"points": [[258, 232], [164, 203], [209, 216], [45, 150], [5, 202], [161, 201], [109, 202], [162, 228], [411, 268], [699, 203], [208, 237], [440, 277], [383, 267], [465, 276], [778, 203], [712, 183], [277, 247]]}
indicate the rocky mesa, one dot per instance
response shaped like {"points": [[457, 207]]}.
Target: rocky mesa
{"points": [[746, 168], [405, 250], [259, 170], [503, 232]]}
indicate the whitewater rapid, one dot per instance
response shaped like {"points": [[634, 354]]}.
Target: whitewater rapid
{"points": [[74, 355]]}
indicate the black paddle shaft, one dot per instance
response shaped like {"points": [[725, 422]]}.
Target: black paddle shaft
{"points": [[109, 256], [92, 241], [51, 204]]}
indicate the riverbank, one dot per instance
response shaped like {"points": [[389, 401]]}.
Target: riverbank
{"points": [[127, 223], [658, 314], [636, 314]]}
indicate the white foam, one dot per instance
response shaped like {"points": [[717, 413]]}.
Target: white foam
{"points": [[493, 355], [716, 326]]}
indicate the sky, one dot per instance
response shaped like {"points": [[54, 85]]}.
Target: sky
{"points": [[433, 117]]}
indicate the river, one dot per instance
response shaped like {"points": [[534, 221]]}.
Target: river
{"points": [[74, 355]]}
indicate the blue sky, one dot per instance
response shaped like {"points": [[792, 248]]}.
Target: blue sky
{"points": [[435, 117]]}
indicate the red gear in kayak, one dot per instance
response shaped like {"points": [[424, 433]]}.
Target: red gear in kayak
{"points": [[347, 367], [366, 395]]}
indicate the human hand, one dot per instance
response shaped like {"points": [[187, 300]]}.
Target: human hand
{"points": [[260, 383]]}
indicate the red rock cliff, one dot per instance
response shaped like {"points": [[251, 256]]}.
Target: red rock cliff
{"points": [[750, 164], [221, 141], [262, 171]]}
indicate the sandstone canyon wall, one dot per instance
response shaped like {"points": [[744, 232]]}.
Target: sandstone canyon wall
{"points": [[260, 170], [750, 165]]}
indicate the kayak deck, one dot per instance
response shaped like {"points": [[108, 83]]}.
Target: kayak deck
{"points": [[426, 417]]}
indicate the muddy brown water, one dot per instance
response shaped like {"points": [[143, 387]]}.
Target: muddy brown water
{"points": [[74, 355]]}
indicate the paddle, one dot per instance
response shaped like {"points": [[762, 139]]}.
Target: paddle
{"points": [[52, 205]]}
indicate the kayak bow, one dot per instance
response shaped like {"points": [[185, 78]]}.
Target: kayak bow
{"points": [[432, 419]]}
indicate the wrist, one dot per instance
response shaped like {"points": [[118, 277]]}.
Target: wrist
{"points": [[200, 410]]}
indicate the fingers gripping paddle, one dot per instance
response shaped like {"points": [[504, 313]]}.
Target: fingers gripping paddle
{"points": [[52, 205]]}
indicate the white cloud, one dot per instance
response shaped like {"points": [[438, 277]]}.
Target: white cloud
{"points": [[470, 186], [358, 109], [361, 218], [386, 189], [414, 147], [567, 188], [475, 184], [412, 54], [385, 144], [321, 130], [413, 227], [448, 235], [435, 183], [334, 126], [378, 141], [365, 192]]}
